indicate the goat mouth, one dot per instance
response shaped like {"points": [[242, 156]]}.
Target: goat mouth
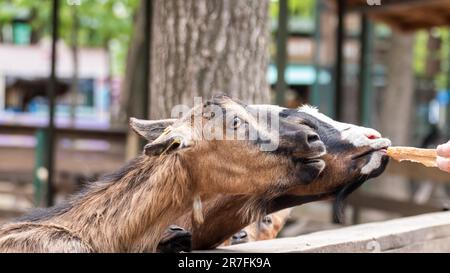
{"points": [[382, 150], [314, 164], [310, 160], [314, 158]]}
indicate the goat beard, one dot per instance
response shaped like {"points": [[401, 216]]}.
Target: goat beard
{"points": [[339, 202], [255, 208]]}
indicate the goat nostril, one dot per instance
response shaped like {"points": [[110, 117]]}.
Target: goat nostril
{"points": [[372, 136], [312, 138]]}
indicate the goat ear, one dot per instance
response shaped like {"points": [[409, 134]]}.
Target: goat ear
{"points": [[150, 129]]}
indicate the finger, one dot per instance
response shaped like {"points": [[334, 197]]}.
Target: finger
{"points": [[443, 163], [444, 150]]}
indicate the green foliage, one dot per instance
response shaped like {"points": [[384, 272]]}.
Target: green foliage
{"points": [[442, 79], [302, 8], [421, 52], [297, 8], [101, 22]]}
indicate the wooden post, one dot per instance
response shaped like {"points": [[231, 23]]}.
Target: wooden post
{"points": [[365, 84], [51, 105], [282, 35], [314, 97], [340, 66], [39, 166], [148, 6]]}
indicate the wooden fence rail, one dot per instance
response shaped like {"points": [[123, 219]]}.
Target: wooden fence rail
{"points": [[424, 233]]}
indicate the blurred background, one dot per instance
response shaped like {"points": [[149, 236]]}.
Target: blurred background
{"points": [[73, 71]]}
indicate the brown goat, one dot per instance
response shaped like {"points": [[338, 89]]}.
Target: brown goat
{"points": [[130, 210], [354, 155]]}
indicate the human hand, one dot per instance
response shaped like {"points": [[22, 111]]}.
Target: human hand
{"points": [[443, 159]]}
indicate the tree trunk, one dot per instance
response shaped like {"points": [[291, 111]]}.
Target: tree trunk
{"points": [[396, 109], [199, 48], [204, 47]]}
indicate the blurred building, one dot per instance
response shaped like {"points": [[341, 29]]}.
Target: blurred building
{"points": [[311, 56], [25, 68]]}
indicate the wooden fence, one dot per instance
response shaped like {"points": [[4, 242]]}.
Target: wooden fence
{"points": [[424, 233]]}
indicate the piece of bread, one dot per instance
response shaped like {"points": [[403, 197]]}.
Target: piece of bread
{"points": [[426, 157]]}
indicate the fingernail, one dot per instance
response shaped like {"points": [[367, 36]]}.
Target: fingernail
{"points": [[439, 148]]}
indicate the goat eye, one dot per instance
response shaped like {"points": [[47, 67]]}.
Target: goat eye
{"points": [[236, 122], [309, 124], [267, 220]]}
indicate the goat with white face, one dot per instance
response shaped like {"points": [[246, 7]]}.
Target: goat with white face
{"points": [[338, 137], [354, 155]]}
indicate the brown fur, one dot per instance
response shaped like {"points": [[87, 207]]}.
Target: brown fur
{"points": [[135, 201], [129, 215], [130, 211], [217, 226], [342, 175]]}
